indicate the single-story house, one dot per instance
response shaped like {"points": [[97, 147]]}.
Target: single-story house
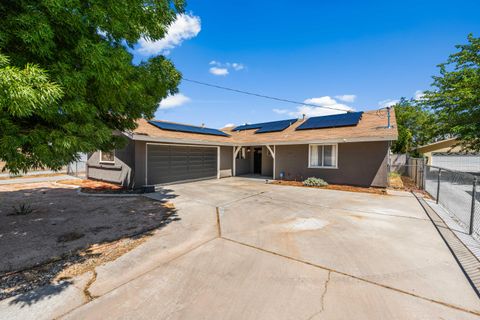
{"points": [[350, 148], [449, 154]]}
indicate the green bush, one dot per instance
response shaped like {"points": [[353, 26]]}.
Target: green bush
{"points": [[315, 182], [21, 210]]}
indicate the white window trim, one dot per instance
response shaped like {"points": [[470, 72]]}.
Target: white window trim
{"points": [[323, 144], [103, 161]]}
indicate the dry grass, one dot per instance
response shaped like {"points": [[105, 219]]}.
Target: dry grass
{"points": [[395, 181], [338, 187]]}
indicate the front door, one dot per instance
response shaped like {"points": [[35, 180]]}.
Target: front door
{"points": [[257, 161]]}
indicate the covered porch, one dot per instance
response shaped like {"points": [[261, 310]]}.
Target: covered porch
{"points": [[254, 161]]}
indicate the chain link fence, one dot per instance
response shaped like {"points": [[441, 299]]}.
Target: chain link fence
{"points": [[458, 193]]}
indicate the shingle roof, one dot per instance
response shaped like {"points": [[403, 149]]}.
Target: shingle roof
{"points": [[372, 127]]}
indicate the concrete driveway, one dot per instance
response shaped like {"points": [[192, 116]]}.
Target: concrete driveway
{"points": [[243, 249]]}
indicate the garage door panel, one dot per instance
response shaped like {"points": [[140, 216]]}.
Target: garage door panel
{"points": [[166, 164]]}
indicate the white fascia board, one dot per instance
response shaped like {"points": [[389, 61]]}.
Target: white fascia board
{"points": [[236, 144], [338, 140]]}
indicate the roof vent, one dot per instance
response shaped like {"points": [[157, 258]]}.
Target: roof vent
{"points": [[388, 118]]}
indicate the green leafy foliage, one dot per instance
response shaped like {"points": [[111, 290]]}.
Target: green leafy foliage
{"points": [[416, 126], [314, 182], [456, 95], [92, 88]]}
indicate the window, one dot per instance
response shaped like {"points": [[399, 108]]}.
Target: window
{"points": [[107, 156], [323, 156], [242, 154]]}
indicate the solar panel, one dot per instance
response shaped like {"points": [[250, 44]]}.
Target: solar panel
{"points": [[267, 126], [332, 121], [186, 128], [248, 127]]}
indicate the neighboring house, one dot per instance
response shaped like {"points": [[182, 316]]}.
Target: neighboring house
{"points": [[349, 148], [449, 154]]}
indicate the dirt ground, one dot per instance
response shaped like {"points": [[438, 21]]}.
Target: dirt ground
{"points": [[332, 187], [56, 233], [93, 186]]}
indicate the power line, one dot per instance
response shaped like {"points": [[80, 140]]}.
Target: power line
{"points": [[260, 95]]}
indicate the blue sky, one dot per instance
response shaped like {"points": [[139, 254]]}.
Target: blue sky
{"points": [[345, 54]]}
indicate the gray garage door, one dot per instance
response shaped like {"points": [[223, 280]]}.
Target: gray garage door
{"points": [[167, 164]]}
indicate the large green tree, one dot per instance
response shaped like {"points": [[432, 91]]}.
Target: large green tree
{"points": [[455, 97], [24, 92], [84, 46], [415, 126]]}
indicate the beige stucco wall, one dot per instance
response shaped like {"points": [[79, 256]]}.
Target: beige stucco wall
{"points": [[441, 146]]}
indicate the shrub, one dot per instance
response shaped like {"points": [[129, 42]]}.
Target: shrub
{"points": [[21, 210], [315, 182]]}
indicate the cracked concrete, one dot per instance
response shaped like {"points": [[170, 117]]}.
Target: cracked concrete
{"points": [[257, 251], [88, 295], [322, 300]]}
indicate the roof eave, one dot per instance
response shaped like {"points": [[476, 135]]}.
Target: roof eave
{"points": [[139, 137]]}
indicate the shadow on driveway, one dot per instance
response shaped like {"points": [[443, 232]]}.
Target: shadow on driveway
{"points": [[62, 234]]}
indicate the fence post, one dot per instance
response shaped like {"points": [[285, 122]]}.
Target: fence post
{"points": [[424, 174], [438, 184], [472, 212]]}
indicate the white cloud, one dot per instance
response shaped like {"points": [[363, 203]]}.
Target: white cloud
{"points": [[388, 103], [321, 101], [419, 94], [174, 101], [218, 71], [185, 27], [237, 66], [281, 111], [326, 106], [347, 97], [102, 33], [228, 125], [222, 69]]}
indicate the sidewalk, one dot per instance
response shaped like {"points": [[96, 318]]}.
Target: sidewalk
{"points": [[37, 179]]}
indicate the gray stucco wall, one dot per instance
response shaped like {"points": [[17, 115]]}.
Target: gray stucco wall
{"points": [[120, 172], [267, 163], [360, 164], [244, 166], [226, 161], [139, 179]]}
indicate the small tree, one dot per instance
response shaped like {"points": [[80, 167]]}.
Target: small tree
{"points": [[456, 95], [415, 126]]}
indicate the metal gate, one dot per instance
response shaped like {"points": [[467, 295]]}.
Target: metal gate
{"points": [[175, 163]]}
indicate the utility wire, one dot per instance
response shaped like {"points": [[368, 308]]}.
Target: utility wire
{"points": [[260, 95]]}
